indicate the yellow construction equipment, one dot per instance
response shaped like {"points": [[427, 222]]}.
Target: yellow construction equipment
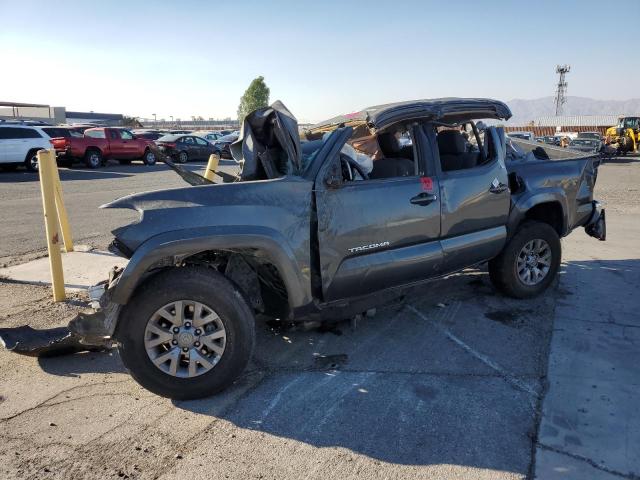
{"points": [[625, 136]]}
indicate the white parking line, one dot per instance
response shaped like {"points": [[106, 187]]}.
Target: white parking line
{"points": [[451, 312]]}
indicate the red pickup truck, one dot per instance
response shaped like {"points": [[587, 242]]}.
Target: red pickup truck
{"points": [[100, 144]]}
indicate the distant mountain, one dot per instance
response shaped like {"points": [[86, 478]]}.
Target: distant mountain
{"points": [[526, 110]]}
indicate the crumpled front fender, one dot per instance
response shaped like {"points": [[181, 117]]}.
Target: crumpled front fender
{"points": [[180, 244]]}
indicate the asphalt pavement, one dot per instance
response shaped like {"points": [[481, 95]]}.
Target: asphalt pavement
{"points": [[452, 381], [84, 191]]}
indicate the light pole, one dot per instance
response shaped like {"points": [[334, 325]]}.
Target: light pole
{"points": [[155, 121], [171, 117]]}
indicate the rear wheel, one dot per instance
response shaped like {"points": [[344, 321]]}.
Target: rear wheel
{"points": [[183, 157], [31, 162], [529, 262], [187, 333], [149, 158], [93, 158]]}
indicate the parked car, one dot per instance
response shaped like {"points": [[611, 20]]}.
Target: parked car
{"points": [[523, 135], [223, 144], [148, 134], [590, 135], [19, 145], [311, 229], [210, 136], [183, 148], [179, 132], [586, 145], [550, 140], [97, 145]]}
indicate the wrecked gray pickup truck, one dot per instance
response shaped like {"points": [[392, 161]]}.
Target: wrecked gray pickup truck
{"points": [[327, 223]]}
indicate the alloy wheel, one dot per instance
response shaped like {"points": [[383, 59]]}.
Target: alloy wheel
{"points": [[185, 338], [533, 262]]}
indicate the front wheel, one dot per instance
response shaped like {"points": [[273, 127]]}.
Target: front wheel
{"points": [[187, 333], [149, 158], [529, 262]]}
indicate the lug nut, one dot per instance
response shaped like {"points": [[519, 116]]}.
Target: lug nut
{"points": [[185, 349], [174, 342], [176, 330], [187, 324], [197, 344], [198, 331]]}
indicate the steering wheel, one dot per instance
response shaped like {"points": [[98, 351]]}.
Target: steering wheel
{"points": [[356, 166]]}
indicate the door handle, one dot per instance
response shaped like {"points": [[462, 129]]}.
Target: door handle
{"points": [[423, 199], [501, 187]]}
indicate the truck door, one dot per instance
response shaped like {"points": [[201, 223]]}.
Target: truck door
{"points": [[475, 196], [116, 145], [130, 147], [375, 233]]}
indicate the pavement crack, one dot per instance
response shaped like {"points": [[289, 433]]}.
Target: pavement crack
{"points": [[597, 466], [46, 402]]}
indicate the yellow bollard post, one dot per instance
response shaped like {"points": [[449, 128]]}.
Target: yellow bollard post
{"points": [[212, 166], [46, 162], [62, 210]]}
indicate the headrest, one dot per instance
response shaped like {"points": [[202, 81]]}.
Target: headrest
{"points": [[451, 142], [388, 144]]}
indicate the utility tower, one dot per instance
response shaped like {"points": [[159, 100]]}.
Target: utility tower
{"points": [[561, 91]]}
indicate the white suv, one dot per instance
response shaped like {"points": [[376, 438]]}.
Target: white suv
{"points": [[19, 145]]}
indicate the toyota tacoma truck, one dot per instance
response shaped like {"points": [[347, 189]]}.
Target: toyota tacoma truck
{"points": [[324, 225], [97, 145]]}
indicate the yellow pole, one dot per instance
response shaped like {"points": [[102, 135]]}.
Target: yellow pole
{"points": [[62, 210], [212, 166], [46, 162]]}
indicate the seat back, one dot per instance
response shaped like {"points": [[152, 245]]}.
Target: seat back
{"points": [[453, 151]]}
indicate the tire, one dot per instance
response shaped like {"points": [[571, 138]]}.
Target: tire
{"points": [[31, 161], [124, 162], [183, 157], [149, 158], [507, 273], [93, 158], [188, 284]]}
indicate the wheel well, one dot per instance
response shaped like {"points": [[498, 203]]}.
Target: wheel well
{"points": [[31, 151], [250, 270], [93, 149], [548, 212]]}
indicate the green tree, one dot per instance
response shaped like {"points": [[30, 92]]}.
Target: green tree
{"points": [[256, 96]]}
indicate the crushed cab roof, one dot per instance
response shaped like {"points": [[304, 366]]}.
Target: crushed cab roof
{"points": [[444, 109]]}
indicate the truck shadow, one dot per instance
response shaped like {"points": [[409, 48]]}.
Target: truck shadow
{"points": [[414, 385], [79, 364], [398, 390]]}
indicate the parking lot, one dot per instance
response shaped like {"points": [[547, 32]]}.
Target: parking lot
{"points": [[453, 380]]}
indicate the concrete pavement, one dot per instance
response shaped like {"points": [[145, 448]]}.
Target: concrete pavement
{"points": [[591, 423]]}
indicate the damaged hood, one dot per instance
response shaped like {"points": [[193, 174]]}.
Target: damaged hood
{"points": [[274, 203], [269, 143]]}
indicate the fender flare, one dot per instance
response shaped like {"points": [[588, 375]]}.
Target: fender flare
{"points": [[551, 195], [184, 243]]}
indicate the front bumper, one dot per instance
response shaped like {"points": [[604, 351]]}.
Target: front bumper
{"points": [[101, 323], [597, 225]]}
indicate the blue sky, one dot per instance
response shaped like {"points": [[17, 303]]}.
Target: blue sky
{"points": [[321, 58]]}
